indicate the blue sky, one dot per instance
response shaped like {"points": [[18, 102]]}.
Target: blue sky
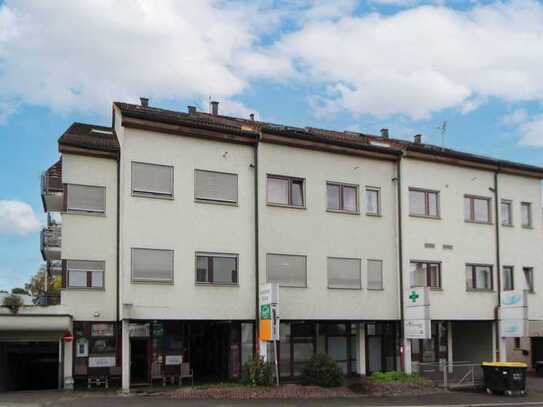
{"points": [[406, 65]]}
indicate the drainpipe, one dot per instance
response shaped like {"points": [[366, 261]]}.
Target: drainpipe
{"points": [[501, 354], [118, 232], [257, 246], [400, 257]]}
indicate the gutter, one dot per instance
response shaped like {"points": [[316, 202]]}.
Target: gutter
{"points": [[400, 253], [257, 245], [498, 259], [118, 226]]}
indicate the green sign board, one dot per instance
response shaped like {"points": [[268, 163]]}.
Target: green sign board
{"points": [[265, 311]]}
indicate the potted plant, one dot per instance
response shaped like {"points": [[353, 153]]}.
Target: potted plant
{"points": [[13, 302]]}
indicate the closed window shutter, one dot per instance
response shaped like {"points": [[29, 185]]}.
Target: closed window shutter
{"points": [[215, 186], [287, 270], [343, 273], [375, 274], [152, 178], [152, 265], [86, 198], [87, 265]]}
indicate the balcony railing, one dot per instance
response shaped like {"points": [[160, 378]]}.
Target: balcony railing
{"points": [[52, 188], [48, 299], [50, 242]]}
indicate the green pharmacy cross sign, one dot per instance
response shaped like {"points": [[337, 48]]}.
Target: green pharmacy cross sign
{"points": [[265, 311], [414, 296]]}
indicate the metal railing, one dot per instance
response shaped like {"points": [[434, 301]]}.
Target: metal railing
{"points": [[51, 183], [451, 374], [50, 238], [47, 299]]}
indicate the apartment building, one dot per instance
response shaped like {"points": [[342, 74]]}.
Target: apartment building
{"points": [[171, 222]]}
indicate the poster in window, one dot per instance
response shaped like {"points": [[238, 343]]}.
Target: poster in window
{"points": [[102, 330], [102, 361], [82, 348], [174, 360]]}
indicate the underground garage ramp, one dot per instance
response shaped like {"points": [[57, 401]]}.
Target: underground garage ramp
{"points": [[29, 365]]}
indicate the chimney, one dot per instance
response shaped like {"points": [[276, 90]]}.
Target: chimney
{"points": [[144, 102], [418, 139], [191, 109], [252, 116], [214, 107], [384, 133]]}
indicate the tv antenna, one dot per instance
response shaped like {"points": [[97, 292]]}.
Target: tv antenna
{"points": [[442, 130]]}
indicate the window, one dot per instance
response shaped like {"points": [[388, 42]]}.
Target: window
{"points": [[507, 213], [508, 278], [344, 273], [342, 197], [529, 278], [212, 186], [425, 274], [373, 201], [286, 191], [526, 214], [85, 198], [375, 274], [215, 268], [287, 270], [476, 209], [85, 274], [152, 180], [152, 265], [479, 277], [423, 202]]}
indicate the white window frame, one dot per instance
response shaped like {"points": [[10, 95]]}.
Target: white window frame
{"points": [[379, 206], [530, 215]]}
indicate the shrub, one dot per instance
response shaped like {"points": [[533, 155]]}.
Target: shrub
{"points": [[13, 302], [322, 371], [395, 377], [257, 372]]}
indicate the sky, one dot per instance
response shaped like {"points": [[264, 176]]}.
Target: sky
{"points": [[405, 65]]}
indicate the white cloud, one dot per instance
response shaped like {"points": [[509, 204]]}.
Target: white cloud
{"points": [[80, 56], [514, 118], [17, 218], [228, 107], [531, 132], [424, 59]]}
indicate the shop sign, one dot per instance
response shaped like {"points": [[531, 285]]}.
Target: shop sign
{"points": [[513, 314], [102, 330], [269, 312], [174, 360], [102, 361], [417, 314], [139, 330], [82, 348]]}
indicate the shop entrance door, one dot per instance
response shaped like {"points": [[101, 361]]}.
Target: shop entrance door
{"points": [[139, 361]]}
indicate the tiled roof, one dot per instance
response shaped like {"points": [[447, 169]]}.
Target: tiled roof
{"points": [[91, 137], [347, 138]]}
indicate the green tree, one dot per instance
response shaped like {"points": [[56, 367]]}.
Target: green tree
{"points": [[36, 285], [19, 290]]}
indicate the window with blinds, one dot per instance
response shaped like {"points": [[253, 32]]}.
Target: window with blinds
{"points": [[152, 265], [287, 270], [84, 274], [344, 273], [85, 198], [152, 180], [212, 186], [375, 274]]}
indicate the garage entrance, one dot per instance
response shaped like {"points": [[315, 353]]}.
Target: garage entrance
{"points": [[29, 366]]}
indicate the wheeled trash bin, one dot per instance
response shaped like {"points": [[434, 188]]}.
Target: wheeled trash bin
{"points": [[505, 377]]}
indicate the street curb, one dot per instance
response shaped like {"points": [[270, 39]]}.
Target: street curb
{"points": [[525, 403]]}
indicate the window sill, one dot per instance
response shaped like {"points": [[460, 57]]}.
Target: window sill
{"points": [[152, 282], [437, 289], [278, 205], [346, 288], [101, 289], [376, 289], [479, 290], [211, 202], [527, 227], [201, 284], [86, 213], [476, 222], [375, 215], [414, 215], [152, 196], [508, 225], [342, 212]]}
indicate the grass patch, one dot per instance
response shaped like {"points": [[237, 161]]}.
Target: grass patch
{"points": [[396, 377]]}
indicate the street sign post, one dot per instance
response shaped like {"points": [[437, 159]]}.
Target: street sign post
{"points": [[417, 323], [269, 319]]}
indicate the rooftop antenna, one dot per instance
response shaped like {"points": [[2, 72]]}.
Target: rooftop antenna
{"points": [[443, 129]]}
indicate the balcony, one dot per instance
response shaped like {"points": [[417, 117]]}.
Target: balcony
{"points": [[50, 242], [52, 191]]}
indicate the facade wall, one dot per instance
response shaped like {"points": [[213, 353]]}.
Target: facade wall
{"points": [[471, 243], [91, 237], [187, 227], [319, 234]]}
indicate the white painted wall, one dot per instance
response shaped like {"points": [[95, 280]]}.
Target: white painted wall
{"points": [[187, 227], [472, 243], [318, 234], [89, 237]]}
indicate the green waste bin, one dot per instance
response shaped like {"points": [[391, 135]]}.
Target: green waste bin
{"points": [[505, 378]]}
